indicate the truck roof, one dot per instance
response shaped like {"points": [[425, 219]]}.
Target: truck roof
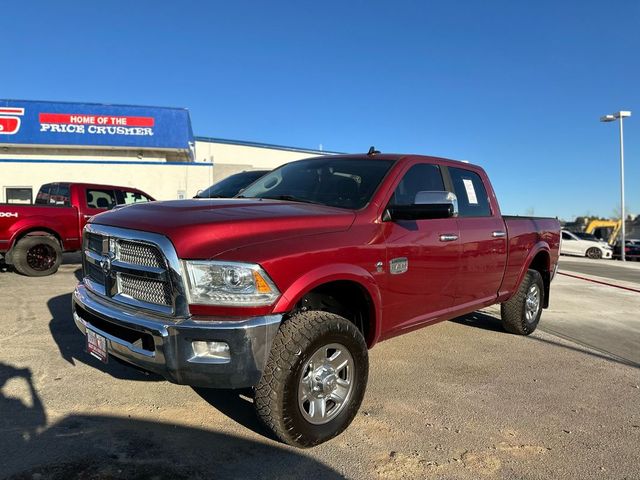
{"points": [[403, 156], [92, 185]]}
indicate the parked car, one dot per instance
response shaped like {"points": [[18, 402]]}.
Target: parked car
{"points": [[572, 244], [631, 250], [286, 289], [33, 237], [589, 236], [232, 185]]}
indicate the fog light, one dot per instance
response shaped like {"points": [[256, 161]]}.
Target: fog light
{"points": [[210, 352]]}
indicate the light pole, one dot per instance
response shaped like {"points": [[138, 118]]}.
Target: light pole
{"points": [[612, 118]]}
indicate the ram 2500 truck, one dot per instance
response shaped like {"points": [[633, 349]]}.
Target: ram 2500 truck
{"points": [[286, 287], [33, 237]]}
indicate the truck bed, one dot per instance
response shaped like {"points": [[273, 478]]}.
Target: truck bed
{"points": [[56, 218], [524, 232]]}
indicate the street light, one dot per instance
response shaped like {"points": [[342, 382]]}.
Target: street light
{"points": [[612, 118]]}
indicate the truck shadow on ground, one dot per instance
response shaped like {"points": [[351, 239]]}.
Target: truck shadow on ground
{"points": [[236, 405], [491, 323], [71, 343], [481, 320], [115, 448]]}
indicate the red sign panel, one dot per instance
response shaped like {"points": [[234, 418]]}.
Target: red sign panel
{"points": [[9, 125], [83, 119], [9, 122]]}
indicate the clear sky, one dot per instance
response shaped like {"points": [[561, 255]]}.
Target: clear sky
{"points": [[517, 87]]}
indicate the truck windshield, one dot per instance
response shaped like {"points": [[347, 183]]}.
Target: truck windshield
{"points": [[333, 181]]}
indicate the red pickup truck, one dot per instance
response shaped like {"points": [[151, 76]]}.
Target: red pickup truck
{"points": [[286, 287], [33, 237]]}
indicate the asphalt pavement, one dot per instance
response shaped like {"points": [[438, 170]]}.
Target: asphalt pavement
{"points": [[611, 269]]}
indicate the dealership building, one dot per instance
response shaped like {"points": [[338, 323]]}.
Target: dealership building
{"points": [[149, 148]]}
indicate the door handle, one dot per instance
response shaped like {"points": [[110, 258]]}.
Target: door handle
{"points": [[498, 234], [448, 237]]}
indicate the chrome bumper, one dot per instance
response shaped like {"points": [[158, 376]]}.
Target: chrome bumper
{"points": [[164, 345]]}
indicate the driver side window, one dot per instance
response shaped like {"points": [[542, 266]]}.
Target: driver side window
{"points": [[423, 177]]}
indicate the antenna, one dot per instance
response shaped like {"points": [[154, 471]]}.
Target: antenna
{"points": [[372, 151]]}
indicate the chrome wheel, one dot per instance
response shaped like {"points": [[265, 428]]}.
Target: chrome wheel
{"points": [[594, 253], [532, 303], [326, 383]]}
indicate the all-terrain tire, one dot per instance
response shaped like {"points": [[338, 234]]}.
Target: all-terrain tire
{"points": [[37, 256], [514, 311], [276, 395]]}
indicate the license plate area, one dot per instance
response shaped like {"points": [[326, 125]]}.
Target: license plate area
{"points": [[97, 346], [142, 340]]}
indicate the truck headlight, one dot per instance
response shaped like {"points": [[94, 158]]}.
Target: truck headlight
{"points": [[228, 283]]}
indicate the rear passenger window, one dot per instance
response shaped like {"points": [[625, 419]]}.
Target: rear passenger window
{"points": [[43, 195], [472, 196], [102, 199], [59, 195], [423, 177]]}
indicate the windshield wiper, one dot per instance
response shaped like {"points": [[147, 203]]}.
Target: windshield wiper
{"points": [[291, 198]]}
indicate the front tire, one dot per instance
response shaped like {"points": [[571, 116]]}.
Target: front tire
{"points": [[314, 380], [521, 313], [37, 256], [594, 252]]}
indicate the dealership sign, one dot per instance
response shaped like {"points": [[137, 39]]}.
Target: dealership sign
{"points": [[50, 123]]}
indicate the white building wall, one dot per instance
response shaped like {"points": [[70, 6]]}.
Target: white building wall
{"points": [[154, 172], [249, 155], [161, 181]]}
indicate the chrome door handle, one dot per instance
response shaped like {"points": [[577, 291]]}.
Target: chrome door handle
{"points": [[448, 237], [498, 234]]}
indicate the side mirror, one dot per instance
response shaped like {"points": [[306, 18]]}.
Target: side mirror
{"points": [[427, 205]]}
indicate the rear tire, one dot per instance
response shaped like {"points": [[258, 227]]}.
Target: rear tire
{"points": [[594, 252], [521, 313], [315, 358], [37, 256]]}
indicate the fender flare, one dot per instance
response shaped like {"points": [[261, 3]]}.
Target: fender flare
{"points": [[33, 226], [540, 246], [332, 273]]}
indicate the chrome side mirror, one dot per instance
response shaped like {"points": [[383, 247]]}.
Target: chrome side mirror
{"points": [[426, 205], [438, 198]]}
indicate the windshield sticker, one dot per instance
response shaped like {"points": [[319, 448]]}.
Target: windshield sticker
{"points": [[471, 192]]}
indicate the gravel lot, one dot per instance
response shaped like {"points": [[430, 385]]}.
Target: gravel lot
{"points": [[460, 399]]}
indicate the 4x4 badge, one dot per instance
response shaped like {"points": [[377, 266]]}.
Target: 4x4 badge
{"points": [[399, 265]]}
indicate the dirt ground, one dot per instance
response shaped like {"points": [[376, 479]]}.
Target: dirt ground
{"points": [[461, 399]]}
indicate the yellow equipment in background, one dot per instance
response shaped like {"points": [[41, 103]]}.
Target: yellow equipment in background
{"points": [[605, 229]]}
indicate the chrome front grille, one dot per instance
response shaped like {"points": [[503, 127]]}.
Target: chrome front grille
{"points": [[135, 268], [137, 253], [144, 289]]}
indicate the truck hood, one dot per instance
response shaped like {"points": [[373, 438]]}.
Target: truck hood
{"points": [[206, 228]]}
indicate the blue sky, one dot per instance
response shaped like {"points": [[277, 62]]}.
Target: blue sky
{"points": [[517, 87]]}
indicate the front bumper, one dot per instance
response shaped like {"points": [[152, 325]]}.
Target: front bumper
{"points": [[164, 345]]}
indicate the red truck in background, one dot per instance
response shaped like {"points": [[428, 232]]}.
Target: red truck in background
{"points": [[33, 237], [286, 287]]}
